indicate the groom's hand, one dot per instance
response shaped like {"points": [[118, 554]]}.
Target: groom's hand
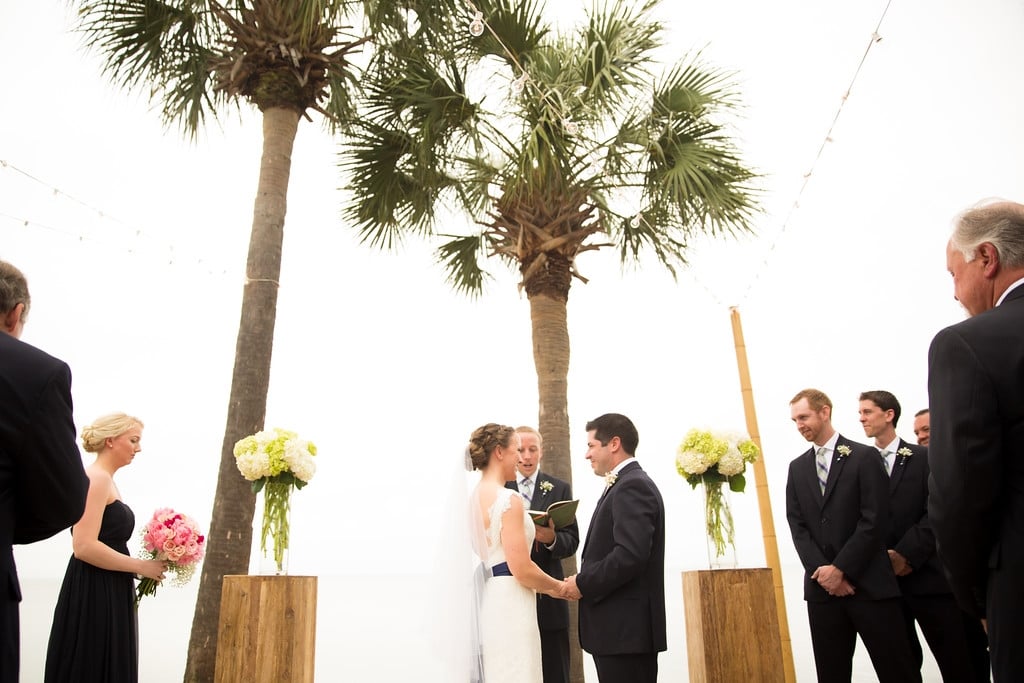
{"points": [[571, 591]]}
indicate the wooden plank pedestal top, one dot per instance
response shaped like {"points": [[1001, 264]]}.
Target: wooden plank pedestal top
{"points": [[732, 627], [267, 630]]}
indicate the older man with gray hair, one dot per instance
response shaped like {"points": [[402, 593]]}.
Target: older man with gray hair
{"points": [[42, 482], [976, 398]]}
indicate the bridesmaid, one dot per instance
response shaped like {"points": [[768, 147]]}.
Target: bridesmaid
{"points": [[95, 635]]}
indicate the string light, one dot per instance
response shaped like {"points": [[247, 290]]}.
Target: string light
{"points": [[520, 83], [138, 248], [795, 206], [476, 27]]}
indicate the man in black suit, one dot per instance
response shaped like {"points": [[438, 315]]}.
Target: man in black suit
{"points": [[539, 490], [976, 393], [837, 504], [621, 583], [927, 598], [42, 481]]}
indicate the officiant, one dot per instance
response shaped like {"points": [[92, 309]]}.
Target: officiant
{"points": [[539, 490]]}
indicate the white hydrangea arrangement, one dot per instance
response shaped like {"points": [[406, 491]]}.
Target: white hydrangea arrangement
{"points": [[705, 455], [275, 461], [713, 459], [275, 454]]}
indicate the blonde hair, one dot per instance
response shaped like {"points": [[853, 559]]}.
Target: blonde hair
{"points": [[107, 427], [530, 430]]}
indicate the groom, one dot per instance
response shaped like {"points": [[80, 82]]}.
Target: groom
{"points": [[621, 585]]}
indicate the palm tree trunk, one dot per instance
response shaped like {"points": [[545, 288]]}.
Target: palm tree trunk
{"points": [[551, 358], [230, 539]]}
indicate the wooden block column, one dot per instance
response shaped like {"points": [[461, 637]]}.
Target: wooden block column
{"points": [[732, 626], [267, 630]]}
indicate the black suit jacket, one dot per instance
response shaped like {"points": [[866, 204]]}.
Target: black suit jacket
{"points": [[847, 526], [552, 614], [42, 482], [976, 451], [622, 576], [910, 532]]}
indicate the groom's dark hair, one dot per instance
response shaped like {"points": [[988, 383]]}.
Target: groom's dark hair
{"points": [[611, 425]]}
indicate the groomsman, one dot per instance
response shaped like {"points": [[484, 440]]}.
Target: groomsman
{"points": [[927, 598], [621, 583], [976, 392], [837, 504], [539, 490], [42, 481], [922, 426]]}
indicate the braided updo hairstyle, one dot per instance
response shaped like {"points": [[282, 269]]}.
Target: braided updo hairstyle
{"points": [[485, 439], [107, 427]]}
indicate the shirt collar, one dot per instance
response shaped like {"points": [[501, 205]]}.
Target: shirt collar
{"points": [[891, 447], [829, 445], [1009, 289], [618, 468]]}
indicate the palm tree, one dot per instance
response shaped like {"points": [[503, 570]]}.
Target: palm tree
{"points": [[552, 145], [196, 57]]}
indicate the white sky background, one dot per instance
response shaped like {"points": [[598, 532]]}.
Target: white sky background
{"points": [[387, 370]]}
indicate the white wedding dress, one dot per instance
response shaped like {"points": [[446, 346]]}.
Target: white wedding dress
{"points": [[508, 620]]}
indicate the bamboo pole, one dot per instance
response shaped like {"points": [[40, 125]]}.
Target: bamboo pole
{"points": [[771, 548]]}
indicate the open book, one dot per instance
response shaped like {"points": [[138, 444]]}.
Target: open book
{"points": [[563, 512]]}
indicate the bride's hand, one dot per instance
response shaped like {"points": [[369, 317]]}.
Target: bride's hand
{"points": [[558, 592]]}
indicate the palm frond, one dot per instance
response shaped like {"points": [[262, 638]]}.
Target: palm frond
{"points": [[164, 44], [460, 257], [517, 29], [616, 52]]}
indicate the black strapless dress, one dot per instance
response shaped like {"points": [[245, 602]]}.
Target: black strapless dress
{"points": [[95, 637]]}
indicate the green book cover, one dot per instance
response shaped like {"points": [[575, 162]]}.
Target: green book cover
{"points": [[563, 512]]}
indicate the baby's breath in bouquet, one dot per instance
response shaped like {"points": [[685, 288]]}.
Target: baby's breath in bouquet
{"points": [[714, 459], [275, 461]]}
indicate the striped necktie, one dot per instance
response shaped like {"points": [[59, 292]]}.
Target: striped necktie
{"points": [[885, 461], [525, 489], [822, 469]]}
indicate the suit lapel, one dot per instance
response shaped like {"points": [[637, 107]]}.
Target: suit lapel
{"points": [[600, 501], [538, 502], [835, 469], [899, 466]]}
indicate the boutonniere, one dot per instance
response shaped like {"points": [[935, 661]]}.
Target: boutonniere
{"points": [[609, 479], [843, 451], [545, 487], [905, 452]]}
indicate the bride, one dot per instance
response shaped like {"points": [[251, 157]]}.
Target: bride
{"points": [[503, 536]]}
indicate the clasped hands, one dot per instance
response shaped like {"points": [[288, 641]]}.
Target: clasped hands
{"points": [[831, 578], [567, 590]]}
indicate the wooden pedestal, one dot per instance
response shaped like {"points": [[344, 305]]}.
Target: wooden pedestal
{"points": [[732, 627], [267, 630]]}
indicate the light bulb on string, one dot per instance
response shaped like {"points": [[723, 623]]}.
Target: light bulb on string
{"points": [[570, 126], [519, 84], [476, 27]]}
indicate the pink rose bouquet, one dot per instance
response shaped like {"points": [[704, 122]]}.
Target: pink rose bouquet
{"points": [[174, 538]]}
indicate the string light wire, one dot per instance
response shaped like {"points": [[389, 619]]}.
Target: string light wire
{"points": [[795, 205]]}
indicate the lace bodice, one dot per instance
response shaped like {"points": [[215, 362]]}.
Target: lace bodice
{"points": [[495, 550]]}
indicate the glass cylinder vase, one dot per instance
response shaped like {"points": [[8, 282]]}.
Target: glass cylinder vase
{"points": [[276, 498], [718, 524]]}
